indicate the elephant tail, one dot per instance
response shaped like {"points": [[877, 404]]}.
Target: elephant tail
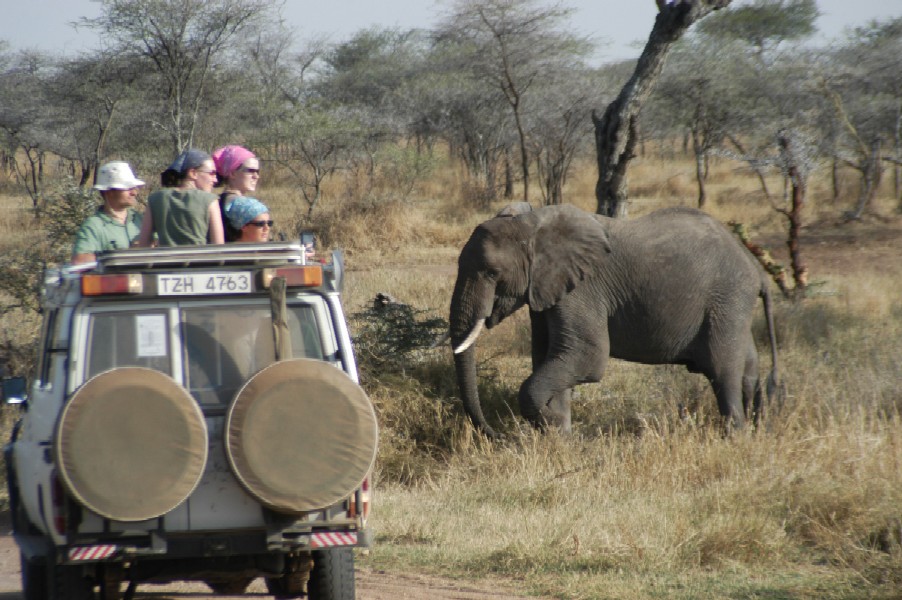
{"points": [[774, 386]]}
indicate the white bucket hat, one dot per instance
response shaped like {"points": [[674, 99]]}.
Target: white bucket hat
{"points": [[116, 176]]}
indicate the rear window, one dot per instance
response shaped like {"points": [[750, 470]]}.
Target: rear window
{"points": [[127, 339], [224, 346], [220, 346]]}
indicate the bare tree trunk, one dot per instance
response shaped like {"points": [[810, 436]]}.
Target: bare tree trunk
{"points": [[834, 179], [871, 175], [616, 130], [508, 176], [897, 154], [701, 172], [798, 178]]}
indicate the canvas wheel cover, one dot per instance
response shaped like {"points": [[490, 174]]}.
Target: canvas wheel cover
{"points": [[301, 435], [131, 444]]}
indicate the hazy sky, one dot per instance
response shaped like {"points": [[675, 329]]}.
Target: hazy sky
{"points": [[616, 24]]}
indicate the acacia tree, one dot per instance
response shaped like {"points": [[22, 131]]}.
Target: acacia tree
{"points": [[616, 130], [699, 93], [182, 39], [446, 102], [865, 92], [23, 118], [513, 45], [87, 95], [726, 95], [561, 129]]}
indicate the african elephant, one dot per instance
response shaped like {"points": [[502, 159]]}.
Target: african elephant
{"points": [[672, 287]]}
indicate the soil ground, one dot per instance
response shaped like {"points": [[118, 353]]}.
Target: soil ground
{"points": [[371, 585]]}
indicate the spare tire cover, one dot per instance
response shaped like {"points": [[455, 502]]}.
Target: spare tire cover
{"points": [[131, 444], [301, 435]]}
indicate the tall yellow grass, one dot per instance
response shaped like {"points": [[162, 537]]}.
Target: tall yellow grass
{"points": [[644, 500]]}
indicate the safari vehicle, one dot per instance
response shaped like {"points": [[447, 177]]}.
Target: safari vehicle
{"points": [[195, 415]]}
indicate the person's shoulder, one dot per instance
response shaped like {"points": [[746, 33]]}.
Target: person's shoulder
{"points": [[202, 195], [93, 221]]}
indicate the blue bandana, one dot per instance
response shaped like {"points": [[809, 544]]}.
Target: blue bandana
{"points": [[243, 210], [189, 159]]}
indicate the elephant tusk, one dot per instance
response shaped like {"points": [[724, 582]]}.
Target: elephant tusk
{"points": [[470, 338]]}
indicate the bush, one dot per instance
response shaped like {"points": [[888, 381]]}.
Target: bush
{"points": [[393, 336]]}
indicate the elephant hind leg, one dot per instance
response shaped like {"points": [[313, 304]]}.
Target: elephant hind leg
{"points": [[728, 388]]}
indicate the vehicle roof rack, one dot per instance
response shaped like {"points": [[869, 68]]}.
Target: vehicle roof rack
{"points": [[214, 255]]}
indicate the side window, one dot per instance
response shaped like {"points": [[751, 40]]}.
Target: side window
{"points": [[126, 339], [45, 360], [305, 336]]}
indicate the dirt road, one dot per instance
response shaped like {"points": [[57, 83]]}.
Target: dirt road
{"points": [[371, 585]]}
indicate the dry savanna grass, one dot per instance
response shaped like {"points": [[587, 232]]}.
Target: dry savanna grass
{"points": [[646, 499]]}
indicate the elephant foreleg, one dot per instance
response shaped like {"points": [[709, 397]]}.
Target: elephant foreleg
{"points": [[545, 408], [556, 410]]}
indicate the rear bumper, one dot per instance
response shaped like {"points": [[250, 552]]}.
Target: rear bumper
{"points": [[214, 546]]}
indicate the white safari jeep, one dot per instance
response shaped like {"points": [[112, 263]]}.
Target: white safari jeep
{"points": [[195, 415]]}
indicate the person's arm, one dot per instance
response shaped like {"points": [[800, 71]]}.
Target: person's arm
{"points": [[217, 233], [84, 257], [86, 245], [146, 236]]}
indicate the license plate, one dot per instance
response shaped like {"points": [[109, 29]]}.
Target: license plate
{"points": [[196, 284]]}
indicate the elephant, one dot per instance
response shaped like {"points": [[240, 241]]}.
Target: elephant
{"points": [[672, 287]]}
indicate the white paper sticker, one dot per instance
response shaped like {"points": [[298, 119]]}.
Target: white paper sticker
{"points": [[151, 335]]}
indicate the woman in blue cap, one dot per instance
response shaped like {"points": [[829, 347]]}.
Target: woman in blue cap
{"points": [[250, 218], [187, 214]]}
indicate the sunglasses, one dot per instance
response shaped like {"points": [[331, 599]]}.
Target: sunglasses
{"points": [[251, 171], [261, 223]]}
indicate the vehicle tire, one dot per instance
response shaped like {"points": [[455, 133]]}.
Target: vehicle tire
{"points": [[284, 587], [300, 435], [332, 577], [230, 587], [111, 576], [131, 444], [34, 579], [71, 584], [293, 583]]}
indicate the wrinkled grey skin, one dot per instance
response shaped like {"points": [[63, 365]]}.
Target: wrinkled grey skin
{"points": [[672, 287]]}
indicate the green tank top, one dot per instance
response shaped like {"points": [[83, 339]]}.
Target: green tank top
{"points": [[181, 217]]}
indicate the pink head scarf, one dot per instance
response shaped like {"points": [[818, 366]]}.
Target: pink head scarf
{"points": [[228, 158]]}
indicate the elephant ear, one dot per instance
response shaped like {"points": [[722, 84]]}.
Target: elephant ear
{"points": [[568, 245]]}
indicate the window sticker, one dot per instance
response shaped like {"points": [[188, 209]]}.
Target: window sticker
{"points": [[151, 335]]}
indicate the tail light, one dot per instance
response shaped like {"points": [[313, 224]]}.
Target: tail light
{"points": [[100, 285], [359, 504], [307, 276]]}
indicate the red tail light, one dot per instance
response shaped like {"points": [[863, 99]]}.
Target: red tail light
{"points": [[361, 497]]}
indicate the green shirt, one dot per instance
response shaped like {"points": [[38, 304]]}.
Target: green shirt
{"points": [[181, 217], [100, 233]]}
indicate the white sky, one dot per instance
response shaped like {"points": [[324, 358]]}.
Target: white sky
{"points": [[620, 26]]}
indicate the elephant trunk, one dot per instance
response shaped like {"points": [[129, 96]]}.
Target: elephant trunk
{"points": [[465, 365], [466, 321]]}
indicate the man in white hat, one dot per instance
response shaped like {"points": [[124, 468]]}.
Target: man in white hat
{"points": [[116, 224]]}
